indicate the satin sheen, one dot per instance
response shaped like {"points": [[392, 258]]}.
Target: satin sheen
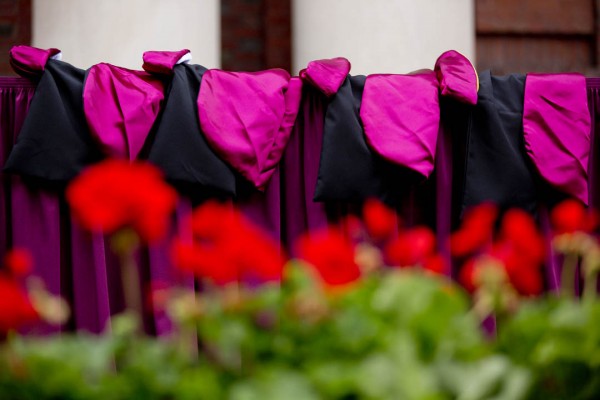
{"points": [[54, 142], [556, 129], [457, 77], [162, 62], [120, 107], [30, 61], [196, 169], [401, 116], [248, 117], [326, 75]]}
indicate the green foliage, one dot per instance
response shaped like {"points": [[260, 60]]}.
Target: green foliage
{"points": [[558, 340], [398, 335]]}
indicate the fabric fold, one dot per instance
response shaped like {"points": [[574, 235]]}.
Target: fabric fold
{"points": [[29, 61], [247, 118], [326, 75], [496, 168], [557, 128], [179, 147], [349, 169], [457, 77], [54, 142], [162, 62], [400, 115], [120, 107]]}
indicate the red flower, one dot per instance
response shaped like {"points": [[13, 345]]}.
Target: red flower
{"points": [[227, 247], [476, 230], [436, 264], [519, 228], [18, 261], [411, 247], [16, 309], [570, 216], [523, 272], [520, 251], [331, 254], [380, 220], [526, 281], [214, 220], [116, 193], [468, 275]]}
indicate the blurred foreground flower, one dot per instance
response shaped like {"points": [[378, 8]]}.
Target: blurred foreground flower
{"points": [[411, 247], [573, 226], [379, 219], [510, 262], [115, 193], [16, 309], [18, 261], [476, 230], [226, 247], [571, 216], [331, 254], [23, 298]]}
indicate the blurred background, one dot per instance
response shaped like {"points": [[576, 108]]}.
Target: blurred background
{"points": [[377, 36]]}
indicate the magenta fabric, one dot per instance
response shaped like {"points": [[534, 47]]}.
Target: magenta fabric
{"points": [[556, 129], [247, 118], [120, 107], [593, 87], [457, 77], [30, 61], [401, 118], [80, 266], [299, 171], [326, 75], [162, 62]]}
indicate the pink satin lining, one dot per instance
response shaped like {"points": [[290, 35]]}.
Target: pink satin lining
{"points": [[121, 106], [162, 62], [326, 75], [457, 77], [401, 116], [27, 60], [556, 129], [247, 118]]}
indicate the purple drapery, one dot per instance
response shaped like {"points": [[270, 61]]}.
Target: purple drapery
{"points": [[81, 267]]}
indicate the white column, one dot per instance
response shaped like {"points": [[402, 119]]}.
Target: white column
{"points": [[381, 36], [119, 31]]}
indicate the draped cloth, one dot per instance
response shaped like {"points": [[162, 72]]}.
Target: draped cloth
{"points": [[81, 267]]}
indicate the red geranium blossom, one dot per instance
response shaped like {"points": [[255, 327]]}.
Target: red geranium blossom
{"points": [[16, 309], [18, 261], [380, 220], [520, 229], [436, 264], [520, 250], [411, 247], [476, 230], [332, 255], [571, 216], [226, 247], [468, 275], [116, 193]]}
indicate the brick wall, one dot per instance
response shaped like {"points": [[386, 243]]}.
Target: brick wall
{"points": [[538, 36], [15, 28], [255, 34]]}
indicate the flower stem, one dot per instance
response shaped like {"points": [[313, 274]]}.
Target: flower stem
{"points": [[567, 278], [125, 243], [589, 288], [131, 284]]}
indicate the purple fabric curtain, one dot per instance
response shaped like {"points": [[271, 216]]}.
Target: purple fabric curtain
{"points": [[81, 267]]}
